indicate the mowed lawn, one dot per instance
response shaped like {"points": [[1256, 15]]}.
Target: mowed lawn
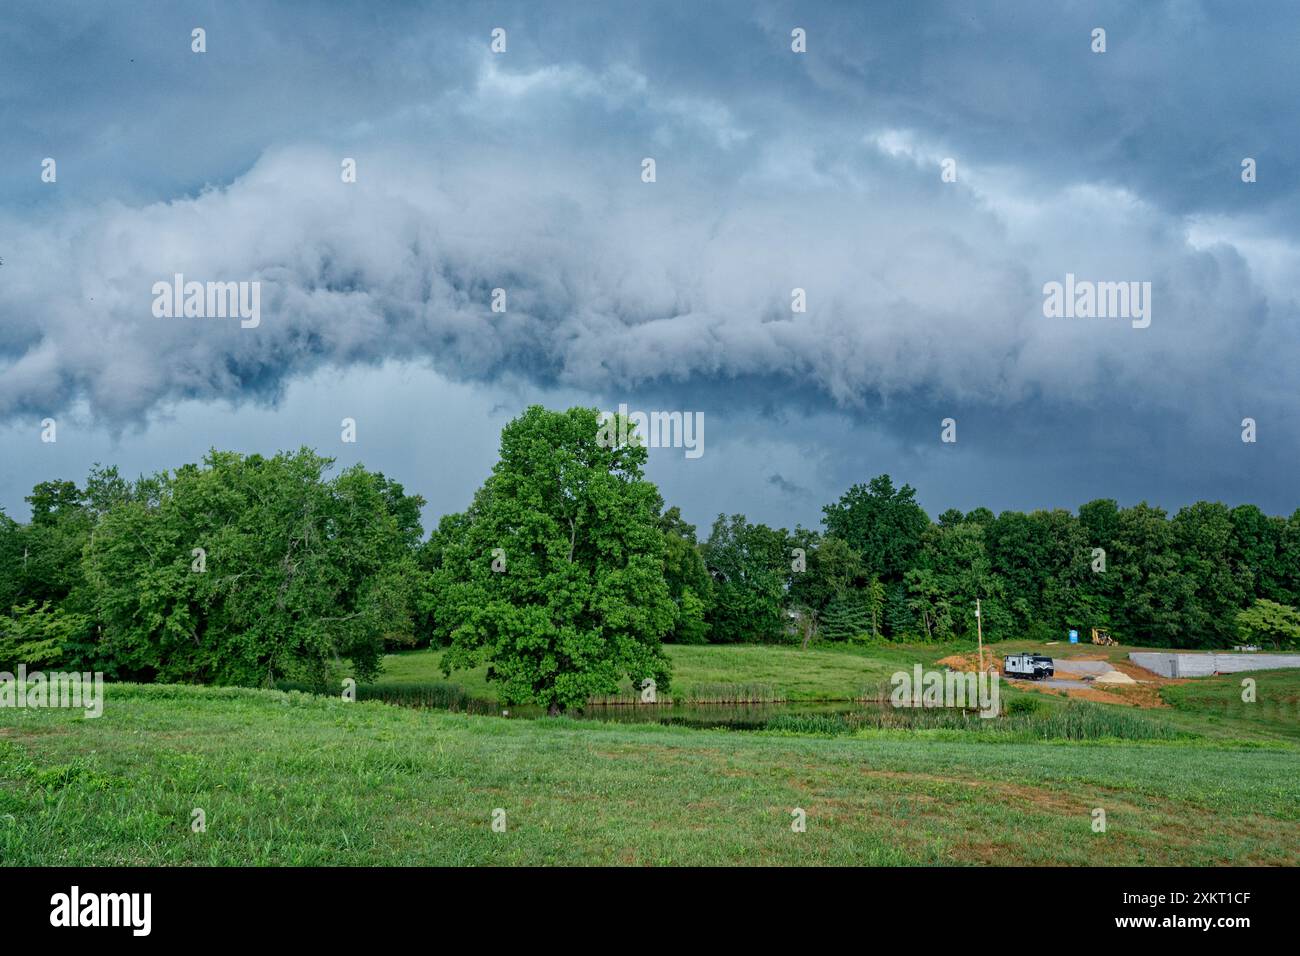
{"points": [[760, 671], [289, 778]]}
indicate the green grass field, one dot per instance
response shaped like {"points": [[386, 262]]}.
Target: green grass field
{"points": [[755, 671], [1213, 707], [291, 778]]}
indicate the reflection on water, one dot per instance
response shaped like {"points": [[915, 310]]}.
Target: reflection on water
{"points": [[739, 716], [834, 716]]}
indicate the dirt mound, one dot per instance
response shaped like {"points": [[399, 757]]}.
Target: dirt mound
{"points": [[1113, 677], [970, 663]]}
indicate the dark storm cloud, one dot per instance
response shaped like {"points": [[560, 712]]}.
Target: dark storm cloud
{"points": [[786, 486], [775, 171]]}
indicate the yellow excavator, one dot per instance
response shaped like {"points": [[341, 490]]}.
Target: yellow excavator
{"points": [[1102, 636]]}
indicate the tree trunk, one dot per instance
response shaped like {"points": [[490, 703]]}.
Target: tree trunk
{"points": [[809, 628]]}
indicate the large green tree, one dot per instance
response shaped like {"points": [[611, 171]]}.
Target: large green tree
{"points": [[11, 559], [48, 549], [1206, 544], [556, 579], [1257, 543], [1152, 591], [245, 570], [750, 564], [833, 595], [687, 578], [1270, 623], [954, 571], [1288, 560], [882, 523]]}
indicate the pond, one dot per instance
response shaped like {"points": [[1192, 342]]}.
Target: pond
{"points": [[826, 716], [738, 716], [741, 715]]}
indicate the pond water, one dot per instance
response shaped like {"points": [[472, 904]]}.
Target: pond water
{"points": [[830, 716], [739, 716]]}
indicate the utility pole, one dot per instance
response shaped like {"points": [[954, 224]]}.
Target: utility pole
{"points": [[979, 629]]}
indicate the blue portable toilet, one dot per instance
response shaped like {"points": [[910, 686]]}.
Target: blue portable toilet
{"points": [[1074, 636]]}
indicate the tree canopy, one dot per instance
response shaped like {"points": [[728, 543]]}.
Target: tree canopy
{"points": [[567, 571], [556, 578], [245, 570]]}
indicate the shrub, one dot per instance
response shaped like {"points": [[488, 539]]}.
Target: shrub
{"points": [[37, 636]]}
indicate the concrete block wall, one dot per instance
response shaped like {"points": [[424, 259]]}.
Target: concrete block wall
{"points": [[1203, 665]]}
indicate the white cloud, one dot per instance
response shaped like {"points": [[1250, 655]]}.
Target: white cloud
{"points": [[914, 286]]}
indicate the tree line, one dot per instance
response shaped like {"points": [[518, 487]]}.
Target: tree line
{"points": [[568, 571]]}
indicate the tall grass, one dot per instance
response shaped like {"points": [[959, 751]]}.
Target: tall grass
{"points": [[433, 695], [717, 693], [1076, 720]]}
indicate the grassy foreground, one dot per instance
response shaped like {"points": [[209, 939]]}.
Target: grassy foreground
{"points": [[288, 778]]}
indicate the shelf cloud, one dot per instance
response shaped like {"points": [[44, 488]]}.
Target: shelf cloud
{"points": [[915, 184]]}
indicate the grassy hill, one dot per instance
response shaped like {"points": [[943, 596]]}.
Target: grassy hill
{"points": [[291, 778]]}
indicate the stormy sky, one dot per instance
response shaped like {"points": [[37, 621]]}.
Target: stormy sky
{"points": [[775, 170]]}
